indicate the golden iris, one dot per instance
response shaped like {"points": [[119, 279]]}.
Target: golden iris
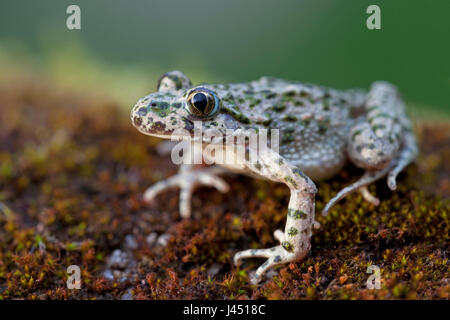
{"points": [[202, 102]]}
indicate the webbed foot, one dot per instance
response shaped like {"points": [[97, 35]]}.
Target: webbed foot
{"points": [[187, 181], [281, 254]]}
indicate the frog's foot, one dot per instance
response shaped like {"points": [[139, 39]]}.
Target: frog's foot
{"points": [[277, 255], [187, 181], [405, 157], [383, 145], [365, 193], [360, 185]]}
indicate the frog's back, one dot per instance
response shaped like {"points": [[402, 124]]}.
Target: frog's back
{"points": [[275, 102], [313, 121]]}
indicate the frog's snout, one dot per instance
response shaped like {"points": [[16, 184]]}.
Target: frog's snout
{"points": [[137, 114], [149, 118]]}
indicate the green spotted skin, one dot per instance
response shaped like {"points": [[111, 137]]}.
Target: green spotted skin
{"points": [[314, 121], [320, 130]]}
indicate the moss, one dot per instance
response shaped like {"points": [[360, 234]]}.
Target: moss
{"points": [[73, 171]]}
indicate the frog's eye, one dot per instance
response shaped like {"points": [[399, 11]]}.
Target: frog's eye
{"points": [[202, 102]]}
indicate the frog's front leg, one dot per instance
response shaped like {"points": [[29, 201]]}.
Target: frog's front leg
{"points": [[187, 179], [295, 240]]}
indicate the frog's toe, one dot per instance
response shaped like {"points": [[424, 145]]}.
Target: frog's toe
{"points": [[391, 181], [241, 255], [254, 278], [275, 256], [158, 187], [187, 181], [213, 181], [186, 189], [279, 235], [364, 181], [185, 200], [365, 193], [405, 157], [251, 253]]}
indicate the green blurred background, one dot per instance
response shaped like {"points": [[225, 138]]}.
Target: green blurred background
{"points": [[124, 46]]}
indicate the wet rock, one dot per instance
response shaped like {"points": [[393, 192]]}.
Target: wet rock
{"points": [[151, 238], [128, 295], [214, 269], [108, 274], [118, 260], [163, 240], [130, 242]]}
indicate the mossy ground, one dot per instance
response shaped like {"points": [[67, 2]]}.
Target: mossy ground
{"points": [[72, 173]]}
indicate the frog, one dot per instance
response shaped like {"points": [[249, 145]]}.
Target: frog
{"points": [[320, 130]]}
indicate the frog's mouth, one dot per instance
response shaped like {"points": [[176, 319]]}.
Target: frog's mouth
{"points": [[156, 130], [159, 130]]}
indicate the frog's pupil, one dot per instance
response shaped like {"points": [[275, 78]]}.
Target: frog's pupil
{"points": [[200, 101]]}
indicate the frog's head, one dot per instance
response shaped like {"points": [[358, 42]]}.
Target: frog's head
{"points": [[177, 105]]}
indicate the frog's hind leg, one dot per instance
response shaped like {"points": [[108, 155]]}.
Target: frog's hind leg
{"points": [[374, 143], [361, 184], [382, 145]]}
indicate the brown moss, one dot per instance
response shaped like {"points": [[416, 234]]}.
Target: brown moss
{"points": [[72, 173]]}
